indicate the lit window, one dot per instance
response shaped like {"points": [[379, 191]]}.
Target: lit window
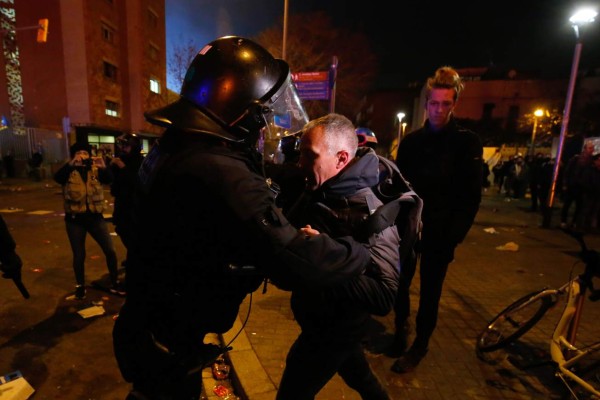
{"points": [[154, 85], [111, 108], [110, 71]]}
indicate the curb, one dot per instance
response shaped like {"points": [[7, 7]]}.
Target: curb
{"points": [[249, 375]]}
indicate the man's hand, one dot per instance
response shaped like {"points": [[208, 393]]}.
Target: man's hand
{"points": [[118, 162], [309, 231], [99, 162]]}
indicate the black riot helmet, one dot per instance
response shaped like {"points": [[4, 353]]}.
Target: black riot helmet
{"points": [[232, 89]]}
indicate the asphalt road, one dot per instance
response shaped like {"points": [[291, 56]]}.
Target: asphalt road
{"points": [[61, 354]]}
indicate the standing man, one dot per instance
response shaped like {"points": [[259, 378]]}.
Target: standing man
{"points": [[206, 216], [125, 168], [337, 201], [573, 186], [443, 163], [82, 180]]}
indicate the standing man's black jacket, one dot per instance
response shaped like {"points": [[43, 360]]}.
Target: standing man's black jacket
{"points": [[445, 170]]}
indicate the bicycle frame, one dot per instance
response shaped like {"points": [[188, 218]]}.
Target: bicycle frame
{"points": [[562, 347]]}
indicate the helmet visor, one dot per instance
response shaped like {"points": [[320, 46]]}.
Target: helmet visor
{"points": [[284, 114]]}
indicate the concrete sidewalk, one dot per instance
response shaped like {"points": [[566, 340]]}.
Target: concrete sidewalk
{"points": [[480, 282]]}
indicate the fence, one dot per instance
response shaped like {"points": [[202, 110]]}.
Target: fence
{"points": [[54, 146]]}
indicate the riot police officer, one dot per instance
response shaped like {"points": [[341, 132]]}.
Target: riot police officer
{"points": [[205, 216]]}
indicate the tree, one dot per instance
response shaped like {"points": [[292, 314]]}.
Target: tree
{"points": [[310, 48], [180, 59], [548, 126]]}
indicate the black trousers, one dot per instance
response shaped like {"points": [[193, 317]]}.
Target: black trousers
{"points": [[433, 266], [311, 363], [573, 195], [155, 374]]}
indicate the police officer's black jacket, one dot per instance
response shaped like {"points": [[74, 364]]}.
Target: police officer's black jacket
{"points": [[204, 211], [445, 170]]}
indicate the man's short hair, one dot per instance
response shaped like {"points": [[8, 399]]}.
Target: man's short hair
{"points": [[339, 132]]}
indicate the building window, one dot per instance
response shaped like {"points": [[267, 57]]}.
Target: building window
{"points": [[488, 109], [111, 108], [154, 85], [110, 71], [108, 33], [104, 144], [153, 52], [152, 19], [512, 118]]}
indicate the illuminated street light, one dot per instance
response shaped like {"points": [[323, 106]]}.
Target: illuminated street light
{"points": [[536, 114], [581, 17], [400, 116]]}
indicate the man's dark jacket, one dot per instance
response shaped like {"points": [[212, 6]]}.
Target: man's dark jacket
{"points": [[340, 207], [445, 169]]}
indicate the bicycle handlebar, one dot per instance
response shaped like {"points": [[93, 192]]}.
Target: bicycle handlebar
{"points": [[591, 258]]}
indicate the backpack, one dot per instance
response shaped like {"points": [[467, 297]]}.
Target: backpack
{"points": [[402, 206]]}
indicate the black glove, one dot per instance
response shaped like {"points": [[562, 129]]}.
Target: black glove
{"points": [[11, 266]]}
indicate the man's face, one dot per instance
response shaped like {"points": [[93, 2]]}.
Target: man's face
{"points": [[316, 162], [82, 154], [439, 107], [588, 149], [126, 148]]}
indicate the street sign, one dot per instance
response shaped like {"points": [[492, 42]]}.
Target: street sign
{"points": [[312, 85]]}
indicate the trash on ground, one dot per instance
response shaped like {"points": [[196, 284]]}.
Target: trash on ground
{"points": [[14, 387], [221, 391], [510, 246], [10, 210], [40, 212], [220, 369], [93, 311], [491, 230]]}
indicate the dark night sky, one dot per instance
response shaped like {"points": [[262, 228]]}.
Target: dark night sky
{"points": [[424, 34]]}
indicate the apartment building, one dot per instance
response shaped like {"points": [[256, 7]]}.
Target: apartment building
{"points": [[102, 65]]}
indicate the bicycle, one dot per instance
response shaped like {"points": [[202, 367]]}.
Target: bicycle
{"points": [[519, 317]]}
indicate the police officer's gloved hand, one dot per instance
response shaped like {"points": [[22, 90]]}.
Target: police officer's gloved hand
{"points": [[11, 266]]}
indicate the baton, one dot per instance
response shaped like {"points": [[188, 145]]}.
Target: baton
{"points": [[21, 287]]}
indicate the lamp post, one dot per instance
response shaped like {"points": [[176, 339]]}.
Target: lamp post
{"points": [[581, 17], [536, 114], [285, 29]]}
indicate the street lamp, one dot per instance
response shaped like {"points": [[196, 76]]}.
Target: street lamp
{"points": [[536, 114], [400, 116], [581, 17]]}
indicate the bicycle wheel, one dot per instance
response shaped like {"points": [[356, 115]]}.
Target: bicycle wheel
{"points": [[516, 319]]}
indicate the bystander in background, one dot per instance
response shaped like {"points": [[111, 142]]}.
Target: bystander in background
{"points": [[82, 180]]}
